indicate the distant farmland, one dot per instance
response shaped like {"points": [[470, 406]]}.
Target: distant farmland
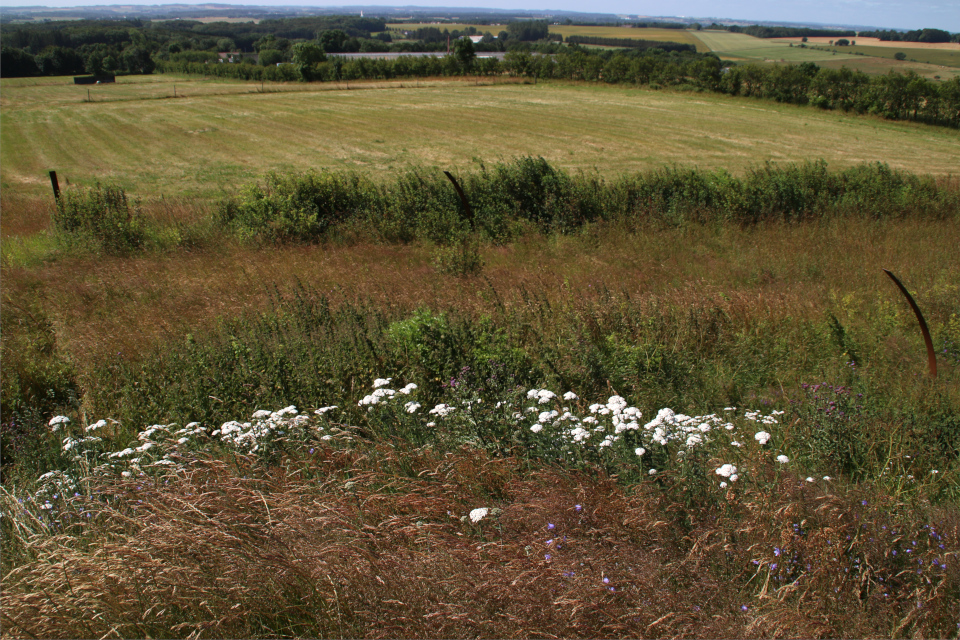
{"points": [[869, 55], [216, 136], [681, 36]]}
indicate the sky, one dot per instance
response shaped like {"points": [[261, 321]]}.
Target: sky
{"points": [[897, 14]]}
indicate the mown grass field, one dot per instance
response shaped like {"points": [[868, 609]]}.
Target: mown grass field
{"points": [[218, 135], [740, 46]]}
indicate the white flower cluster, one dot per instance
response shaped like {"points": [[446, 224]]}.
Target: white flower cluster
{"points": [[382, 394], [160, 446], [268, 427], [612, 427], [478, 514]]}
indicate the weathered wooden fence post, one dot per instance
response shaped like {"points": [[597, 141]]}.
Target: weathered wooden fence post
{"points": [[463, 198], [55, 185]]}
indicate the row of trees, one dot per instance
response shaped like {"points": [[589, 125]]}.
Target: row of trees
{"points": [[761, 31], [187, 34], [630, 43], [97, 59], [917, 35]]}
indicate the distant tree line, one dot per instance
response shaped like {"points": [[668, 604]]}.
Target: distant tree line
{"points": [[136, 47], [760, 31], [630, 43], [917, 35], [637, 25]]}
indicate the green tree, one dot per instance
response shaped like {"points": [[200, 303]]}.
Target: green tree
{"points": [[333, 40], [529, 29], [270, 57], [136, 59], [306, 55], [465, 54], [16, 63], [900, 55]]}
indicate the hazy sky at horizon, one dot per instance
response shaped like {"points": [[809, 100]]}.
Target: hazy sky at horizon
{"points": [[896, 14]]}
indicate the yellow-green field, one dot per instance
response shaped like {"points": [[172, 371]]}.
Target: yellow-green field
{"points": [[883, 66], [220, 135], [660, 35], [741, 46], [929, 62], [944, 57]]}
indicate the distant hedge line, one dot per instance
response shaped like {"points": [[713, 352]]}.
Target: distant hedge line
{"points": [[630, 43], [894, 96], [507, 198]]}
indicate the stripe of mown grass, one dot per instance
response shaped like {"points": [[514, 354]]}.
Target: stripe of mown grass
{"points": [[381, 131]]}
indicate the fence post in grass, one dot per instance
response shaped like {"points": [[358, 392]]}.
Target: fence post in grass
{"points": [[931, 355], [55, 185]]}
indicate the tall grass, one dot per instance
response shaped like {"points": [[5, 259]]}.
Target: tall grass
{"points": [[693, 356], [357, 521]]}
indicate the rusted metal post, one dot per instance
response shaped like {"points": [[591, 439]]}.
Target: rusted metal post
{"points": [[931, 355], [55, 185]]}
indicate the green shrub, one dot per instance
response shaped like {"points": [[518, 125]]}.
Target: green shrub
{"points": [[100, 217], [528, 192]]}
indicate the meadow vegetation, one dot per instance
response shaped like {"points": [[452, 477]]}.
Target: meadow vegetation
{"points": [[633, 399]]}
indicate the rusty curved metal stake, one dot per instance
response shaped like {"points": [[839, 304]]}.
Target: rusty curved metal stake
{"points": [[463, 196], [931, 355]]}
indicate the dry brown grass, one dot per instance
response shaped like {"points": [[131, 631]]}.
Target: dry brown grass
{"points": [[102, 306], [24, 215], [370, 543]]}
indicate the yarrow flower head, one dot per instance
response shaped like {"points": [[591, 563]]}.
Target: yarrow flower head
{"points": [[782, 459], [381, 382], [762, 437], [478, 514], [726, 470], [57, 421], [96, 425]]}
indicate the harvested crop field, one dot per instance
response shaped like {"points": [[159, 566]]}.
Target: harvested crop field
{"points": [[217, 135]]}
